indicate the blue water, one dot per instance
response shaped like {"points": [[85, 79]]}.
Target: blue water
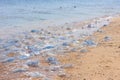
{"points": [[31, 12]]}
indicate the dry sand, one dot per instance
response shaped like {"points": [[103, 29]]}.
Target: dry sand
{"points": [[101, 62]]}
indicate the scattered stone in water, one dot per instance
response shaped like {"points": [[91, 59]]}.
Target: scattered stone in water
{"points": [[52, 60], [10, 43], [49, 47], [32, 63], [74, 6], [35, 31]]}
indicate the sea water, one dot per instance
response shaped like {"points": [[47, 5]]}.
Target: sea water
{"points": [[20, 13]]}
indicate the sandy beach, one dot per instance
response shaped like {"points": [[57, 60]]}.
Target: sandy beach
{"points": [[88, 51], [98, 63]]}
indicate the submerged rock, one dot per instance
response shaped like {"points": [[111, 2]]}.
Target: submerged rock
{"points": [[10, 43], [35, 31]]}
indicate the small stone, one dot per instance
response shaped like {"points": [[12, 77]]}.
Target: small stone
{"points": [[24, 57], [19, 70], [65, 44], [75, 6], [35, 74], [62, 74], [35, 31], [67, 66], [52, 60], [83, 50], [11, 59], [48, 47], [55, 68], [33, 63], [107, 38], [118, 46], [89, 43]]}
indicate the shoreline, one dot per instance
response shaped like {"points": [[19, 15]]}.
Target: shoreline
{"points": [[96, 63], [19, 29], [31, 50]]}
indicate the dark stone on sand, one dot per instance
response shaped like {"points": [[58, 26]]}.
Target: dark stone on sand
{"points": [[33, 63], [62, 74], [11, 59], [52, 60], [23, 57], [107, 38], [83, 50], [67, 66], [19, 70], [65, 44], [89, 43]]}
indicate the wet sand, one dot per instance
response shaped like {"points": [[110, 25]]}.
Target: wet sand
{"points": [[99, 63]]}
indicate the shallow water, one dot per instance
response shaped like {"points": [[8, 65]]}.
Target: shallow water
{"points": [[18, 13]]}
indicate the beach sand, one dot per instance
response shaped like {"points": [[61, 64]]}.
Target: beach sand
{"points": [[99, 63]]}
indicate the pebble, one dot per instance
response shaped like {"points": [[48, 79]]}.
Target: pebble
{"points": [[89, 43], [23, 57], [83, 50], [19, 70], [35, 31], [107, 38], [55, 68], [67, 66], [48, 47], [65, 44], [11, 59], [61, 74], [52, 60], [33, 63], [35, 74]]}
